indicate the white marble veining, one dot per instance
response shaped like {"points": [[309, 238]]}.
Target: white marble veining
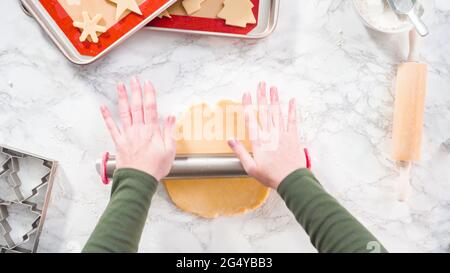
{"points": [[340, 72]]}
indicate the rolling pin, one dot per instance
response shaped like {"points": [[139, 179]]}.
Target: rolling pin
{"points": [[211, 166], [409, 108], [186, 167]]}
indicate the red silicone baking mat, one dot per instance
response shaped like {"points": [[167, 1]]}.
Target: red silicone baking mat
{"points": [[113, 34], [204, 24]]}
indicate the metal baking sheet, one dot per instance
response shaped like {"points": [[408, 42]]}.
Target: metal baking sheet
{"points": [[267, 22], [36, 10]]}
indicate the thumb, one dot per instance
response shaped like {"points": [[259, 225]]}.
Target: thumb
{"points": [[243, 155]]}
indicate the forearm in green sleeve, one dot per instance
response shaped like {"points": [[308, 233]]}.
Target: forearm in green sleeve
{"points": [[330, 226], [120, 227]]}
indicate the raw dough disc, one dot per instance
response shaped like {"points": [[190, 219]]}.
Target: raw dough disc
{"points": [[211, 198]]}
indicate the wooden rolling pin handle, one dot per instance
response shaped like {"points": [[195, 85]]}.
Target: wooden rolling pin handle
{"points": [[414, 46]]}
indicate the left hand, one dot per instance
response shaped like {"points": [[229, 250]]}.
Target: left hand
{"points": [[141, 144]]}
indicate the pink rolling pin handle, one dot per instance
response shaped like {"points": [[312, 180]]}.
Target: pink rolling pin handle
{"points": [[308, 158], [104, 174]]}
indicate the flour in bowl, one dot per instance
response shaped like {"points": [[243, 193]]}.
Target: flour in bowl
{"points": [[379, 15]]}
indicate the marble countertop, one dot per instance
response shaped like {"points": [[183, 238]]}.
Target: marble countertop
{"points": [[340, 72]]}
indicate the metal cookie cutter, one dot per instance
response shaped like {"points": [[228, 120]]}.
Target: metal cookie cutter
{"points": [[5, 228], [36, 207], [10, 169], [28, 238]]}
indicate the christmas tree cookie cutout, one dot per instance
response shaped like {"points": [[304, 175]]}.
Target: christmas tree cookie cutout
{"points": [[124, 5], [90, 27], [237, 13], [192, 6]]}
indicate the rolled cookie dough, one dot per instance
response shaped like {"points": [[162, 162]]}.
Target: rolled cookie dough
{"points": [[211, 198]]}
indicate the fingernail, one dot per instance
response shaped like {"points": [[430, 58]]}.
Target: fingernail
{"points": [[121, 94], [273, 93], [232, 142], [262, 88], [120, 87], [134, 79], [247, 96]]}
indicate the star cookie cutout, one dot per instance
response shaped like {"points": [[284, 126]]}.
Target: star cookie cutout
{"points": [[124, 5], [90, 27]]}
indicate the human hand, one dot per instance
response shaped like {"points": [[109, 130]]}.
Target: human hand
{"points": [[277, 150], [141, 143]]}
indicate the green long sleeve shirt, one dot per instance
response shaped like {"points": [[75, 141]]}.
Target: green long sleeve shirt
{"points": [[120, 227], [331, 227]]}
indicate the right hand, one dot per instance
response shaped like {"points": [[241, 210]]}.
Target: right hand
{"points": [[141, 143], [277, 150]]}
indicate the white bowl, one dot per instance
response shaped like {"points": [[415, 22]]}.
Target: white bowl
{"points": [[424, 9]]}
